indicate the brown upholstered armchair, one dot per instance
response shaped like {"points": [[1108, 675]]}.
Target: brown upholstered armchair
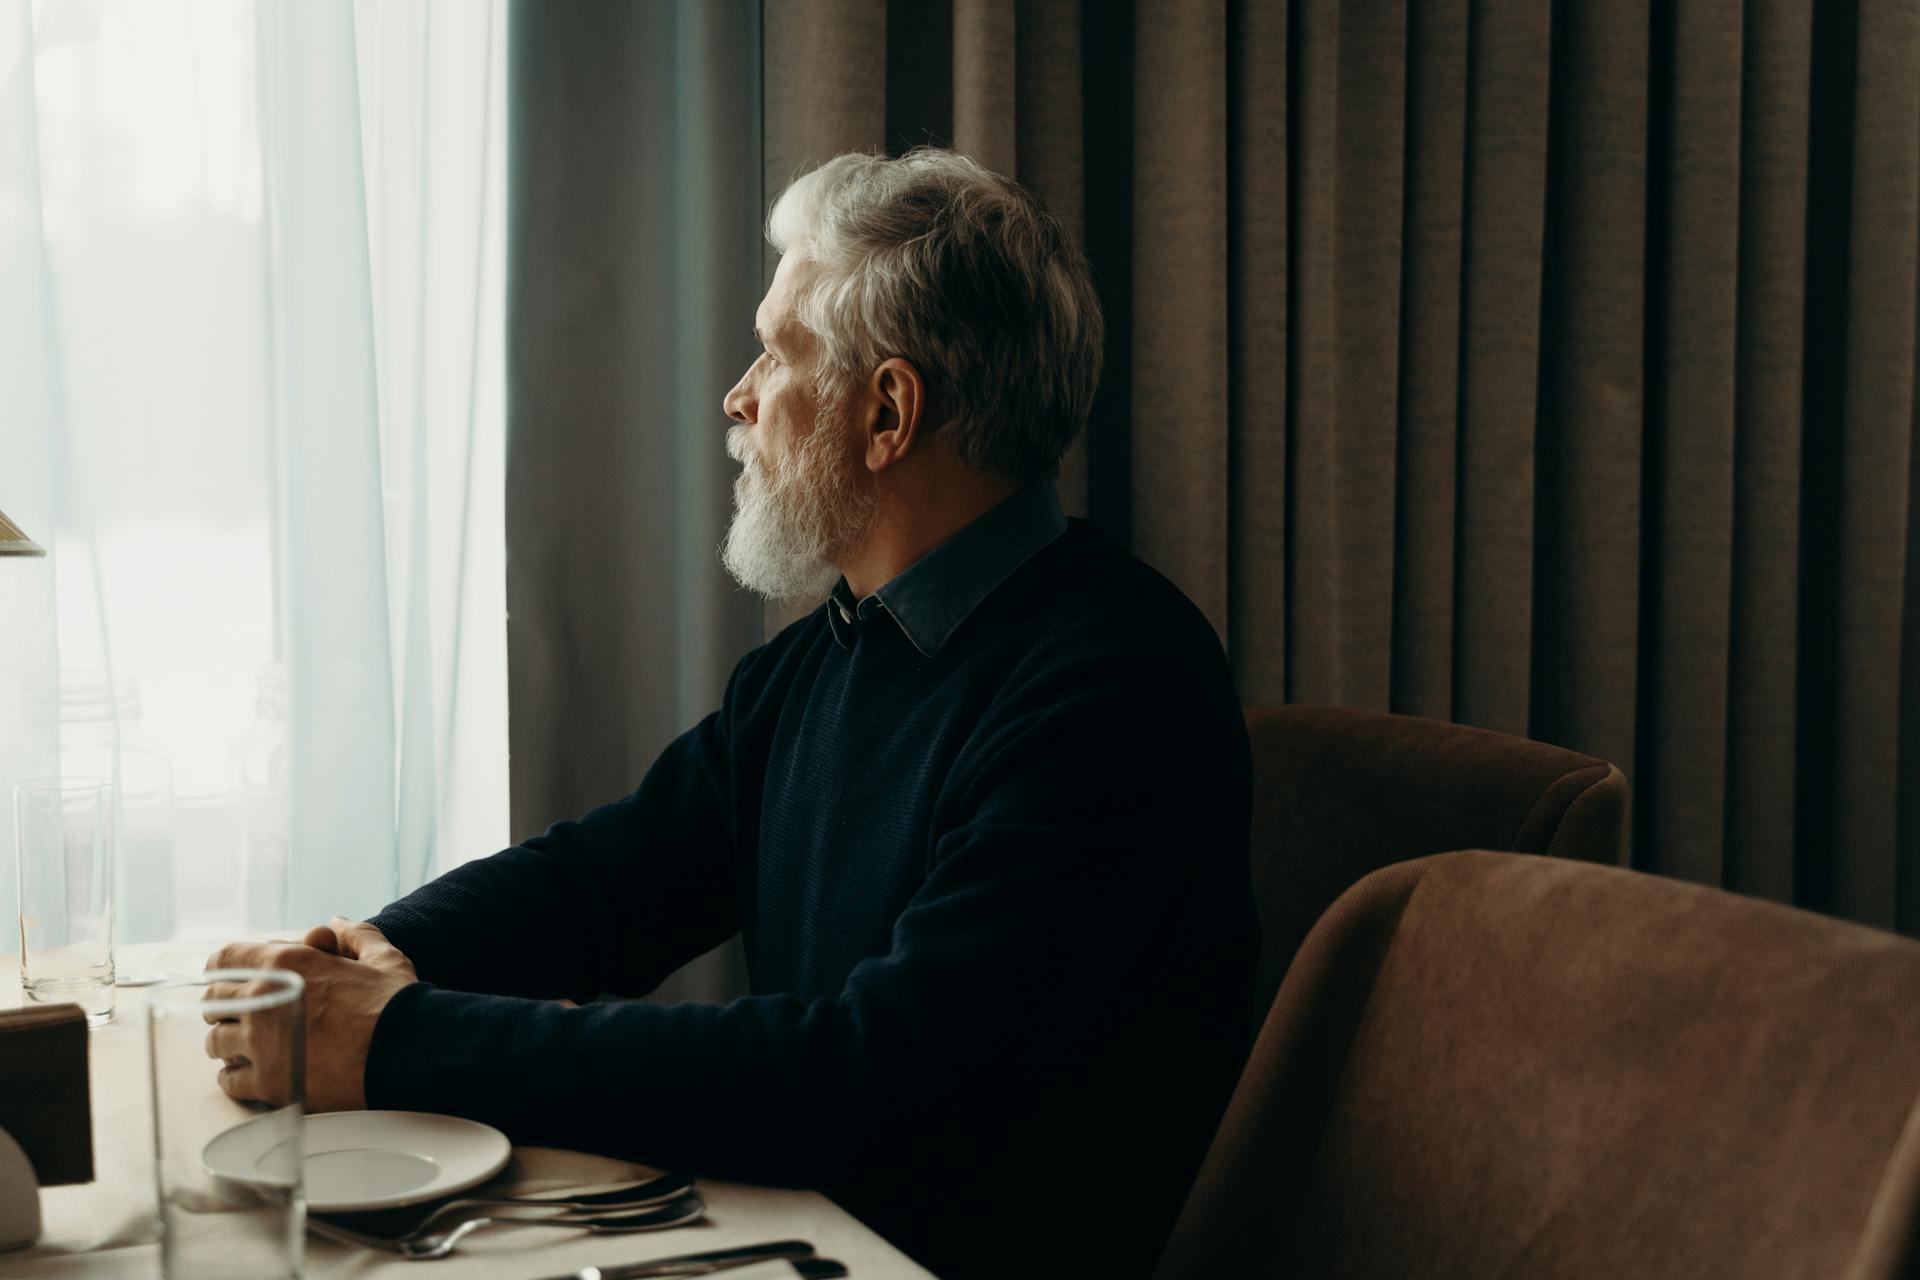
{"points": [[1485, 1064], [1339, 793]]}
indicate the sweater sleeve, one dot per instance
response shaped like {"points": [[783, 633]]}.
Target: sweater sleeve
{"points": [[1056, 928], [612, 902]]}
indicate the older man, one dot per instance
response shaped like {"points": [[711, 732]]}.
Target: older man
{"points": [[981, 818]]}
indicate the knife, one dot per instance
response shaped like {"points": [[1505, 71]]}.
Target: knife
{"points": [[694, 1264]]}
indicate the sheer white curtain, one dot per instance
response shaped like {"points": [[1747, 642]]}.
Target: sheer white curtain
{"points": [[251, 400]]}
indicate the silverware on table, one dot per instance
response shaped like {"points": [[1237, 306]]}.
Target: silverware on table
{"points": [[685, 1209], [639, 1195], [805, 1268], [708, 1262]]}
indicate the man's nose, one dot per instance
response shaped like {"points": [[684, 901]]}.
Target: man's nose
{"points": [[737, 402]]}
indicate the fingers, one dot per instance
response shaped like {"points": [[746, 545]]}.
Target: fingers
{"points": [[247, 955], [246, 1082], [237, 1042], [322, 938], [343, 937], [357, 937], [277, 953], [231, 991], [365, 943], [227, 1040], [230, 1035], [241, 1081], [219, 991]]}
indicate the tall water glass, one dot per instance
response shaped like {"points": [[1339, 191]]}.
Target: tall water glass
{"points": [[63, 829], [228, 1173]]}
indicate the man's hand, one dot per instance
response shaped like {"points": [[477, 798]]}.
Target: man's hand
{"points": [[351, 971]]}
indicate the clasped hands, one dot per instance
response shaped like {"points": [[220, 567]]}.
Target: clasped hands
{"points": [[351, 971]]}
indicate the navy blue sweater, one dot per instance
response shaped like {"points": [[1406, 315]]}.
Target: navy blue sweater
{"points": [[996, 908]]}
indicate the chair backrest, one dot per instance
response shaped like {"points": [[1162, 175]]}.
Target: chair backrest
{"points": [[1488, 1064], [1339, 793]]}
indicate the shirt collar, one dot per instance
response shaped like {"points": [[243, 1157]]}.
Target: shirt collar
{"points": [[935, 594]]}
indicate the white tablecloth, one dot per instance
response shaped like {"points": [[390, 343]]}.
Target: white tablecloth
{"points": [[107, 1228]]}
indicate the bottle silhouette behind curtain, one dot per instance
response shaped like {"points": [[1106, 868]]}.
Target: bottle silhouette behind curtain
{"points": [[101, 736], [260, 768]]}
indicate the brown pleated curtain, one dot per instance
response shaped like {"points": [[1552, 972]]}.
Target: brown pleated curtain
{"points": [[1545, 367]]}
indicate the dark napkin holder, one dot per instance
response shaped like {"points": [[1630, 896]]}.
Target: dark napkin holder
{"points": [[44, 1102]]}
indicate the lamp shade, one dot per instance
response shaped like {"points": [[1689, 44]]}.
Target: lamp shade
{"points": [[13, 542]]}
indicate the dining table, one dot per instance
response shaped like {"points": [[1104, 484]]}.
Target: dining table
{"points": [[108, 1229]]}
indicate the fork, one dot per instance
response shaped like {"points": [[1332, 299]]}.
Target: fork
{"points": [[668, 1186], [687, 1208]]}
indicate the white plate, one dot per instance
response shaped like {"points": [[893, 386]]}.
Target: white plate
{"points": [[358, 1160]]}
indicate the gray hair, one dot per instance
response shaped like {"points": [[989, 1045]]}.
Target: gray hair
{"points": [[965, 274]]}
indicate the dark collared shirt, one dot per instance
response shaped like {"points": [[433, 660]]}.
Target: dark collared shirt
{"points": [[937, 592]]}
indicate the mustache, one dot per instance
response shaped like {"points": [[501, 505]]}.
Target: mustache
{"points": [[737, 447]]}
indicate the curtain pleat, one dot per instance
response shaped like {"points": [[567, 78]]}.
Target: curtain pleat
{"points": [[920, 102], [1257, 300], [1693, 274], [1348, 126], [1762, 681], [1179, 343], [1587, 445], [1907, 846], [578, 306], [1428, 456], [342, 857], [823, 95], [1050, 149], [1509, 42], [985, 73], [1107, 90], [1549, 368], [1874, 443]]}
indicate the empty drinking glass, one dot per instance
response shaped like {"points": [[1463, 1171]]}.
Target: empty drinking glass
{"points": [[228, 1173], [63, 830]]}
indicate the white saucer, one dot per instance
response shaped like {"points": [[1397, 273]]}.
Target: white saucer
{"points": [[357, 1160]]}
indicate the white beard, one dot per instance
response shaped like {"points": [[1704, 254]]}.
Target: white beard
{"points": [[784, 532]]}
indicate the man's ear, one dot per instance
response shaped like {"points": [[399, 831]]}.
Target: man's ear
{"points": [[895, 409]]}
